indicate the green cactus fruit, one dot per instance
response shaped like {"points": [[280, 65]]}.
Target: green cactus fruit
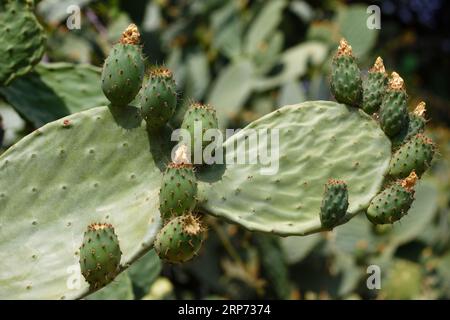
{"points": [[178, 190], [416, 154], [416, 125], [346, 84], [180, 239], [158, 98], [393, 202], [123, 69], [198, 119], [374, 87], [334, 203], [100, 255], [393, 113]]}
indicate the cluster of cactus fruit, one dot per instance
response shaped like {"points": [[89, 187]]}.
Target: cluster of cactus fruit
{"points": [[386, 100], [182, 233]]}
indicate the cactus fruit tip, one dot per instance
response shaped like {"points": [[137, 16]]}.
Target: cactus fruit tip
{"points": [[131, 35], [396, 82], [378, 66], [344, 48], [409, 182], [420, 109]]}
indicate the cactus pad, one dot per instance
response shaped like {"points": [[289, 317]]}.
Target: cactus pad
{"points": [[123, 69], [416, 154], [178, 190], [158, 98], [21, 37], [88, 166], [100, 254], [374, 87], [345, 80], [180, 239], [334, 203], [318, 140], [393, 202]]}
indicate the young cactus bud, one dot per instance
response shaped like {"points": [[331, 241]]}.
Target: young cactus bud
{"points": [[198, 119], [416, 154], [394, 202], [99, 255], [394, 111], [123, 69], [180, 239], [345, 81], [334, 203], [178, 190], [374, 87], [158, 98], [416, 125]]}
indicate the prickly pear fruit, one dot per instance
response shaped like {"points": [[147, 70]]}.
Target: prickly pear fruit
{"points": [[345, 83], [394, 111], [123, 69], [100, 255], [416, 154], [416, 125], [178, 190], [334, 203], [394, 202], [158, 98], [198, 119], [374, 87], [180, 239]]}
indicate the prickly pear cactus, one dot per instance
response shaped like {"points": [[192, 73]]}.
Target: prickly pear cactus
{"points": [[180, 239], [393, 202], [178, 190], [416, 154], [394, 110], [318, 140], [89, 167], [416, 125], [158, 98], [374, 87], [345, 80], [123, 69], [334, 203], [21, 37], [100, 255]]}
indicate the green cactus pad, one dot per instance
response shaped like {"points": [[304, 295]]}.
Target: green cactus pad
{"points": [[374, 87], [334, 203], [345, 82], [393, 202], [123, 70], [55, 90], [178, 190], [70, 173], [318, 140], [197, 117], [394, 110], [158, 98], [100, 255], [416, 125], [22, 39], [416, 154], [180, 239]]}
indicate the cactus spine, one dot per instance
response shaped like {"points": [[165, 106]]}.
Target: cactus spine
{"points": [[374, 87], [100, 255], [394, 110], [394, 202], [334, 203], [158, 98], [180, 239], [345, 83], [123, 69]]}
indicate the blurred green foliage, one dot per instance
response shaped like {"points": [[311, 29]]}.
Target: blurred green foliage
{"points": [[248, 57]]}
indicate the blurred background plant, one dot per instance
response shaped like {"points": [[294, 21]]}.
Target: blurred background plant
{"points": [[248, 57]]}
